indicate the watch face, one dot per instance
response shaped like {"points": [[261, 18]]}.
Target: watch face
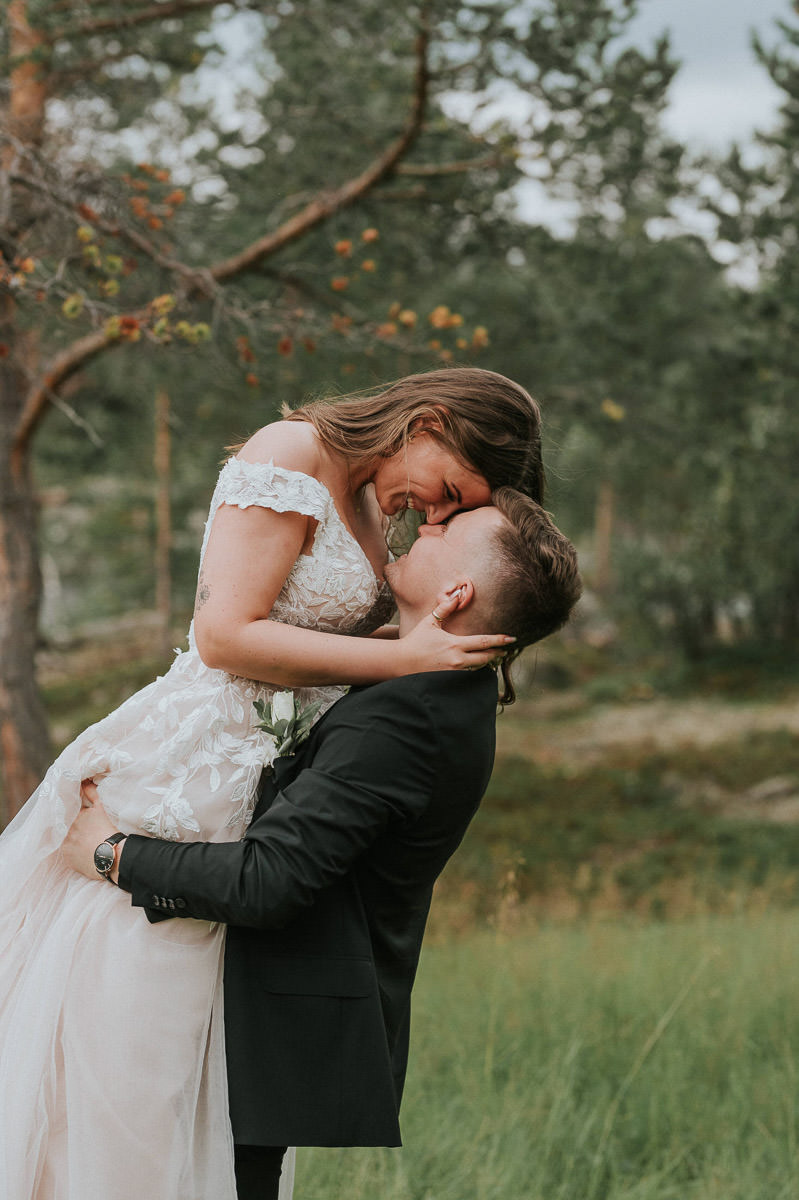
{"points": [[104, 857]]}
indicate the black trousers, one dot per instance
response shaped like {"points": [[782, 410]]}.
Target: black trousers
{"points": [[258, 1171]]}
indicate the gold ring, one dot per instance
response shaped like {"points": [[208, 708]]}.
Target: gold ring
{"points": [[436, 616]]}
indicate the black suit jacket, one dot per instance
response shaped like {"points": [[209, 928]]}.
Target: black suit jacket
{"points": [[327, 897]]}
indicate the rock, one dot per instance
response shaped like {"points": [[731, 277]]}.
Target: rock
{"points": [[772, 789]]}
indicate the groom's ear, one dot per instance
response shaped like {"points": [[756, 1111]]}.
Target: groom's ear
{"points": [[465, 593]]}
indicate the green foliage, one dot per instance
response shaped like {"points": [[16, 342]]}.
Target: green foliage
{"points": [[77, 702], [632, 833]]}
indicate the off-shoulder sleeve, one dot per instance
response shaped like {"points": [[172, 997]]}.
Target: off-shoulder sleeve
{"points": [[245, 484]]}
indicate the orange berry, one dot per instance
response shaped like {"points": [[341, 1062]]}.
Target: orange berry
{"points": [[440, 317]]}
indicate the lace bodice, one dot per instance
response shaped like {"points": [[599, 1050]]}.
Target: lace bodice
{"points": [[332, 589]]}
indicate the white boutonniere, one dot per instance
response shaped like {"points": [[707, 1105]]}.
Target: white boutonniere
{"points": [[286, 721]]}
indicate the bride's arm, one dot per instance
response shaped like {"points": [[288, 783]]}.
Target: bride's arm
{"points": [[249, 555]]}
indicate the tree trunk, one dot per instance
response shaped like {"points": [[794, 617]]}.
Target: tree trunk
{"points": [[28, 92], [603, 536], [24, 740]]}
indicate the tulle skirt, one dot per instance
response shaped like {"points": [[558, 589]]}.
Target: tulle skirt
{"points": [[112, 1063]]}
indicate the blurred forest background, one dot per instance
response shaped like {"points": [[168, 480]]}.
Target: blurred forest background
{"points": [[209, 210]]}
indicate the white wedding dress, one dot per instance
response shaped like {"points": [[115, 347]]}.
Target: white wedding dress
{"points": [[112, 1072]]}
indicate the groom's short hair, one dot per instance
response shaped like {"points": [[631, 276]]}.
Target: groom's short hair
{"points": [[536, 580]]}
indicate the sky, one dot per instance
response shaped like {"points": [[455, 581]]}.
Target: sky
{"points": [[721, 93]]}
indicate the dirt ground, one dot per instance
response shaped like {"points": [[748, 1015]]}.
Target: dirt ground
{"points": [[560, 730]]}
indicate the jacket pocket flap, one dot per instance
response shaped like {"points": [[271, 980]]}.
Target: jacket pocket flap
{"points": [[319, 976]]}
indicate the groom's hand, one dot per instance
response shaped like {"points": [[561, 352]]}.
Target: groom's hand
{"points": [[91, 827]]}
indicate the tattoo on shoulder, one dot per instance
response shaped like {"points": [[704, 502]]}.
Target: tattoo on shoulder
{"points": [[203, 592]]}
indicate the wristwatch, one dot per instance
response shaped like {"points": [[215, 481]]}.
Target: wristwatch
{"points": [[104, 856]]}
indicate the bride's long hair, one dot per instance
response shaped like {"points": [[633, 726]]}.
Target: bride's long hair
{"points": [[486, 420]]}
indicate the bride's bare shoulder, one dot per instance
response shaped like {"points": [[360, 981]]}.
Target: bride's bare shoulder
{"points": [[291, 444]]}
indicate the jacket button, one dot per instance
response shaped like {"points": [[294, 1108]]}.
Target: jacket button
{"points": [[180, 903], [170, 903], [155, 901]]}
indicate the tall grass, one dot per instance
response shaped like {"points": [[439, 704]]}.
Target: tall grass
{"points": [[608, 1062]]}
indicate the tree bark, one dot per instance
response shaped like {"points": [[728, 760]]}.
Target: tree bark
{"points": [[24, 740], [28, 89]]}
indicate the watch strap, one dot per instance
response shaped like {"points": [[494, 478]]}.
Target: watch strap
{"points": [[109, 841]]}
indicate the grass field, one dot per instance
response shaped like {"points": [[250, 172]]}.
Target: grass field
{"points": [[609, 1061]]}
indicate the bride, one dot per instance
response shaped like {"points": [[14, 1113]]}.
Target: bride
{"points": [[112, 1071]]}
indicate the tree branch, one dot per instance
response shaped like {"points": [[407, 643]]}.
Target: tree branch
{"points": [[54, 375], [327, 204], [429, 170], [126, 20], [196, 279]]}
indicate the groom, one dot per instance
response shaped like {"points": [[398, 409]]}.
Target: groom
{"points": [[327, 894]]}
